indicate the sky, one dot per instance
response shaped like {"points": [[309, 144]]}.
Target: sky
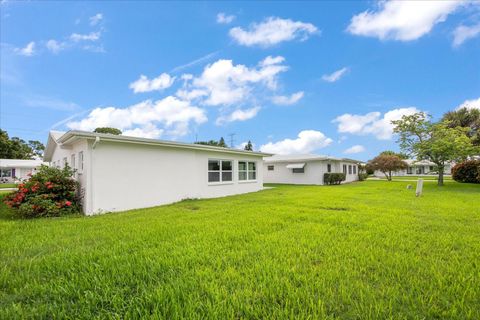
{"points": [[322, 77]]}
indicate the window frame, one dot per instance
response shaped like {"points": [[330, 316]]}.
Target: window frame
{"points": [[329, 167], [247, 171], [271, 167], [80, 162], [349, 169], [220, 171], [298, 170], [344, 167], [354, 169]]}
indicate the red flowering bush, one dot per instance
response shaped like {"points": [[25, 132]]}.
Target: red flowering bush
{"points": [[51, 192], [467, 171]]}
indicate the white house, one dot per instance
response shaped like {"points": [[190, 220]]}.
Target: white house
{"points": [[12, 170], [417, 168], [119, 172], [307, 169]]}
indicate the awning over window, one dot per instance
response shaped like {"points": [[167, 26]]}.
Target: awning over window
{"points": [[295, 165]]}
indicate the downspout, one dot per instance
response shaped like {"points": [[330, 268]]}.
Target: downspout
{"points": [[92, 198]]}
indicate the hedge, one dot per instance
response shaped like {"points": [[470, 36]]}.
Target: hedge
{"points": [[333, 178], [467, 171]]}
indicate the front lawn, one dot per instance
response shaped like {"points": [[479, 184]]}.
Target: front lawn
{"points": [[8, 185], [366, 250], [426, 178]]}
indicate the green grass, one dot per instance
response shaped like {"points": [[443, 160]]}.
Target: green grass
{"points": [[430, 177], [367, 250], [7, 185]]}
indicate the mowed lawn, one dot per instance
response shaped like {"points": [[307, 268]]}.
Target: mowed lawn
{"points": [[358, 251]]}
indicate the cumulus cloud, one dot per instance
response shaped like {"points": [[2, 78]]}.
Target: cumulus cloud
{"points": [[372, 123], [142, 119], [470, 104], [402, 20], [94, 20], [225, 83], [306, 142], [55, 46], [223, 18], [28, 50], [272, 31], [143, 84], [238, 115], [335, 76], [463, 33], [92, 36], [288, 100], [355, 149], [147, 131]]}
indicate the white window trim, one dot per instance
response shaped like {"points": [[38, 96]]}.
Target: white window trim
{"points": [[216, 183], [80, 162], [247, 171]]}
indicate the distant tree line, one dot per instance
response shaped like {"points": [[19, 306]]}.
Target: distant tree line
{"points": [[16, 148]]}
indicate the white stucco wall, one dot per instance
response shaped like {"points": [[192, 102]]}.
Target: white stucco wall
{"points": [[129, 176], [313, 173]]}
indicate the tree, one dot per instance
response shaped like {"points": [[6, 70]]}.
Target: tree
{"points": [[466, 118], [387, 164], [401, 155], [16, 148], [108, 130], [221, 143], [436, 142], [249, 146]]}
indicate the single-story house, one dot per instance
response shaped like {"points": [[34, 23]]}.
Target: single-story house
{"points": [[119, 172], [307, 169], [417, 168], [13, 170]]}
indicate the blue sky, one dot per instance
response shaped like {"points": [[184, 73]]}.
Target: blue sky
{"points": [[293, 77]]}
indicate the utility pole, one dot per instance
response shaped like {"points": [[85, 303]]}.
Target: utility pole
{"points": [[232, 140]]}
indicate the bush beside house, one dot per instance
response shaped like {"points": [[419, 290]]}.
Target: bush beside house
{"points": [[51, 192], [467, 171], [333, 178]]}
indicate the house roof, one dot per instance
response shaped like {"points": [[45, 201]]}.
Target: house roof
{"points": [[66, 138], [305, 158], [18, 163]]}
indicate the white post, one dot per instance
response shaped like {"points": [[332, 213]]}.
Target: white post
{"points": [[419, 190]]}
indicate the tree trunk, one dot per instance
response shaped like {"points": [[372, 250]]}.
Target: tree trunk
{"points": [[441, 169], [386, 175]]}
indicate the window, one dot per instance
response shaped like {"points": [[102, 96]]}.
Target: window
{"points": [[5, 173], [220, 170], [271, 168], [65, 162], [247, 170], [345, 168], [72, 161], [349, 169], [354, 169], [409, 170], [298, 170], [80, 161], [329, 167], [432, 168]]}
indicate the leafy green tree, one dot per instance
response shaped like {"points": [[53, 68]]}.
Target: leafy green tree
{"points": [[249, 146], [221, 143], [16, 148], [401, 155], [466, 118], [108, 130], [436, 142], [387, 164]]}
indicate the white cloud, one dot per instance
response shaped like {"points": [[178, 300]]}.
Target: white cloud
{"points": [[27, 51], [94, 20], [372, 123], [470, 104], [355, 149], [242, 145], [238, 115], [288, 100], [55, 46], [224, 18], [143, 84], [92, 36], [402, 20], [227, 84], [335, 76], [147, 131], [173, 114], [306, 142], [272, 31], [463, 33]]}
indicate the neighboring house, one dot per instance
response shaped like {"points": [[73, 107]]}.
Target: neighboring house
{"points": [[417, 168], [119, 172], [13, 170], [307, 169]]}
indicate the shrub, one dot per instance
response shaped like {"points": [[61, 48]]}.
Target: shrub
{"points": [[362, 176], [51, 192], [333, 178], [467, 171]]}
